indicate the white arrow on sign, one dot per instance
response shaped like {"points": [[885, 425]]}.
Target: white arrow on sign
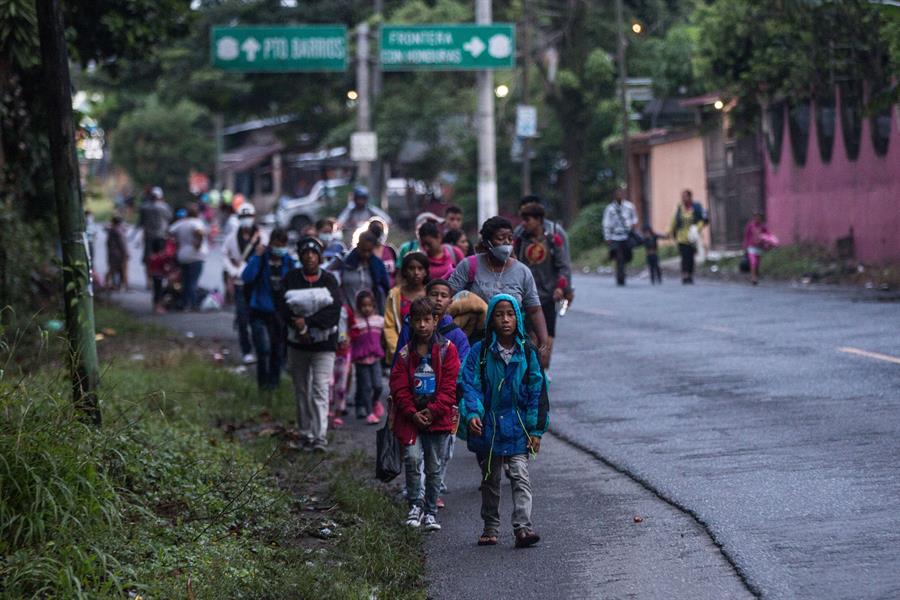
{"points": [[474, 47], [251, 48]]}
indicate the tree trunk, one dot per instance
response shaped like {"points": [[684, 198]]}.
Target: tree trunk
{"points": [[573, 150]]}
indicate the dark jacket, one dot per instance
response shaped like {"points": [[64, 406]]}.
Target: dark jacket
{"points": [[381, 283], [325, 319]]}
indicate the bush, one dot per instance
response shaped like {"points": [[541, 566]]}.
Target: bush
{"points": [[587, 231]]}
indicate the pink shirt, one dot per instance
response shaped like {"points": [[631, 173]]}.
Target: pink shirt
{"points": [[365, 339], [443, 266]]}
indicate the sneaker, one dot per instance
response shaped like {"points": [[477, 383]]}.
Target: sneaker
{"points": [[319, 447], [440, 503], [378, 410], [414, 517], [248, 359], [337, 422], [429, 523], [372, 419]]}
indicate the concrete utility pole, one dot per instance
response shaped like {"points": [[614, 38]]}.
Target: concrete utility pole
{"points": [[487, 148], [526, 67], [76, 260], [623, 77], [363, 89], [377, 83]]}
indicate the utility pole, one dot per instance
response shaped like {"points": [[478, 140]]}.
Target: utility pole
{"points": [[377, 81], [623, 76], [76, 260], [363, 89], [526, 67], [487, 150]]}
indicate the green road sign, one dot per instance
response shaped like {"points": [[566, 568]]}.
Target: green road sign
{"points": [[448, 47], [279, 49]]}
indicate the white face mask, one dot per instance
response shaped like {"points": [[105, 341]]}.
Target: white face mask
{"points": [[246, 222], [326, 237]]}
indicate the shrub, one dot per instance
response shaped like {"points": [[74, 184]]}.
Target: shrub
{"points": [[587, 231]]}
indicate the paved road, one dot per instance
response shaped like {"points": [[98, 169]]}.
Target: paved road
{"points": [[770, 413]]}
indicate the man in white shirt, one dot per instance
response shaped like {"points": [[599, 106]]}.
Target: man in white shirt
{"points": [[190, 237], [619, 220]]}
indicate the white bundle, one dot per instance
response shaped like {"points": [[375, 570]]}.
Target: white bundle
{"points": [[305, 303]]}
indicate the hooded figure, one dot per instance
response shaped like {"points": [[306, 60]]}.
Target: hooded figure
{"points": [[509, 398]]}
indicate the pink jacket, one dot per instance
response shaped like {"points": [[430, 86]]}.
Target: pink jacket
{"points": [[365, 338]]}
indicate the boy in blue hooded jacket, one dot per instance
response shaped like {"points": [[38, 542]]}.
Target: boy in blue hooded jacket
{"points": [[506, 410]]}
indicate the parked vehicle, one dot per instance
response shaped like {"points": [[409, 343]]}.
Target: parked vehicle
{"points": [[296, 213]]}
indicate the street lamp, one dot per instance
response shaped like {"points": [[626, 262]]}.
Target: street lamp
{"points": [[718, 105], [502, 91], [637, 28], [352, 95]]}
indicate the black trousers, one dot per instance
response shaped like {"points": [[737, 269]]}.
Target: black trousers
{"points": [[653, 267], [687, 252], [620, 251]]}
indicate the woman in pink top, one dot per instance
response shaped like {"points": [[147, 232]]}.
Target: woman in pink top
{"points": [[442, 258], [756, 240], [366, 353]]}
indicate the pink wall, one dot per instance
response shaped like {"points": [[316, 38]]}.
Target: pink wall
{"points": [[821, 202]]}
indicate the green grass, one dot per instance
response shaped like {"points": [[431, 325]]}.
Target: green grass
{"points": [[598, 256], [161, 503], [801, 260]]}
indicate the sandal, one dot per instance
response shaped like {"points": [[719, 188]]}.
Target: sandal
{"points": [[526, 537], [487, 539]]}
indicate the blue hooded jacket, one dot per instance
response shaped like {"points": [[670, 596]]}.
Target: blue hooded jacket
{"points": [[511, 402], [258, 273]]}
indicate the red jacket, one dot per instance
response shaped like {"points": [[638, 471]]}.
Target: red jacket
{"points": [[445, 362]]}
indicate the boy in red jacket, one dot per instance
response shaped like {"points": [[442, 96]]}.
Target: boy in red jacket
{"points": [[425, 408]]}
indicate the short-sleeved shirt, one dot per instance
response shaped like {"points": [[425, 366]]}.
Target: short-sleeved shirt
{"points": [[515, 279], [185, 232]]}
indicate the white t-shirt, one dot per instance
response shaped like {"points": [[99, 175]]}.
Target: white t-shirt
{"points": [[184, 232]]}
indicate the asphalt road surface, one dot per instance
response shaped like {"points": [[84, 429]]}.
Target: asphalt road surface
{"points": [[753, 430], [771, 414]]}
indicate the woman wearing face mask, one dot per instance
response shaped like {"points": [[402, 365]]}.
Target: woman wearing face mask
{"points": [[331, 239], [495, 271], [264, 274]]}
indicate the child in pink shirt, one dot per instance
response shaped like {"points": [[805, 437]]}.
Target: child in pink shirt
{"points": [[366, 353]]}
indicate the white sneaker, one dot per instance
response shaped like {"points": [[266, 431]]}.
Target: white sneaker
{"points": [[414, 517], [248, 359], [429, 523]]}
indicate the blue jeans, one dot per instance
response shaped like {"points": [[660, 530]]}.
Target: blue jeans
{"points": [[242, 319], [190, 277], [431, 445], [368, 387], [269, 340]]}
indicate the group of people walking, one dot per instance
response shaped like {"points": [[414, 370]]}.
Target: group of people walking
{"points": [[464, 333]]}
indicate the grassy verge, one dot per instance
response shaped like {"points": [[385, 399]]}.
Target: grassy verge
{"points": [[190, 489], [810, 263], [598, 257]]}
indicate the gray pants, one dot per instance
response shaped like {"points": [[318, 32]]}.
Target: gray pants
{"points": [[517, 472], [311, 373], [428, 448]]}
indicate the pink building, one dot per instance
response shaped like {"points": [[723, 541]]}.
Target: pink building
{"points": [[820, 200]]}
